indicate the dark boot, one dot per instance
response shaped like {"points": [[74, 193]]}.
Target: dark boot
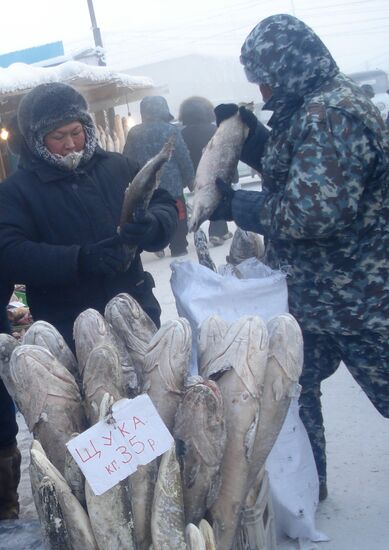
{"points": [[10, 459], [323, 491]]}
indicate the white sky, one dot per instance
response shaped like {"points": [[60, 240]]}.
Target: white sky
{"points": [[135, 33]]}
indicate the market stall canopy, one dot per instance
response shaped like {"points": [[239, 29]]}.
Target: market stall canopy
{"points": [[102, 87]]}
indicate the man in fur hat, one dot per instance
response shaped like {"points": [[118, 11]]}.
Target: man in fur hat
{"points": [[59, 212]]}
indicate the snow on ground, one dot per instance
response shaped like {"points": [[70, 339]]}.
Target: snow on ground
{"points": [[356, 514]]}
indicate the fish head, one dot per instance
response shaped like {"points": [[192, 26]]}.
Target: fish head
{"points": [[29, 357], [90, 328], [286, 344], [200, 420], [124, 312], [7, 344], [46, 335], [176, 335], [199, 215], [103, 371], [210, 342]]}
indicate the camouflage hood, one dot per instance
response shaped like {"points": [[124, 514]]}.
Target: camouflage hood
{"points": [[286, 54]]}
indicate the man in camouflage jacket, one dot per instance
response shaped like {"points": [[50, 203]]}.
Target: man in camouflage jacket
{"points": [[324, 210]]}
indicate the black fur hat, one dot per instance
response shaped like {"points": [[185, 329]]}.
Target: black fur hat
{"points": [[49, 106], [196, 110]]}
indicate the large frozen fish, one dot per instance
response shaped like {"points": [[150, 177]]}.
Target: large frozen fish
{"points": [[202, 250], [116, 142], [139, 192], [207, 532], [44, 334], [200, 434], [120, 132], [110, 513], [54, 530], [111, 517], [102, 374], [194, 538], [166, 367], [219, 160], [102, 137], [167, 520], [142, 484], [109, 141], [211, 343], [283, 369], [133, 329], [74, 477], [128, 122], [90, 329], [49, 399], [52, 494], [240, 372], [244, 245], [7, 344], [256, 530]]}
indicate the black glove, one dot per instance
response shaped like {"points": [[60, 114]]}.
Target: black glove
{"points": [[249, 119], [103, 258], [142, 232], [223, 211], [227, 110]]}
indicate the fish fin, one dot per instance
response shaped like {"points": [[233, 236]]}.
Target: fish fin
{"points": [[250, 436], [278, 389]]}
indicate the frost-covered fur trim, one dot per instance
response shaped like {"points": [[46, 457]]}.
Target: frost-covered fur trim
{"points": [[49, 106]]}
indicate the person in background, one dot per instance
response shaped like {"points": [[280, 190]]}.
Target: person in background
{"points": [[324, 210], [10, 457], [144, 141], [60, 210], [198, 119]]}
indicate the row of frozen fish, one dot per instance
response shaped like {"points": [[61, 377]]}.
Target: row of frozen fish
{"points": [[115, 139], [224, 422]]}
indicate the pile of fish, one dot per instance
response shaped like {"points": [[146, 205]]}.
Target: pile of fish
{"points": [[224, 421]]}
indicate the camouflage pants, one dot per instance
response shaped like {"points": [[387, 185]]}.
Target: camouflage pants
{"points": [[367, 359]]}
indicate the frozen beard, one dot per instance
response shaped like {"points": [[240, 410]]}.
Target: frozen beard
{"points": [[73, 159], [70, 161]]}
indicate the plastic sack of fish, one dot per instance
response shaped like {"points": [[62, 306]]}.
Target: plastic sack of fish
{"points": [[252, 288], [200, 292]]}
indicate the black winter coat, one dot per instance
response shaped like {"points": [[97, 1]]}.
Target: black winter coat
{"points": [[47, 214], [196, 137]]}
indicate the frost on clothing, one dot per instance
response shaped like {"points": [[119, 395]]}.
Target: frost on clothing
{"points": [[324, 208]]}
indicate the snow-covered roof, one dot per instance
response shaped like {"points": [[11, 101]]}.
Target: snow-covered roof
{"points": [[102, 87]]}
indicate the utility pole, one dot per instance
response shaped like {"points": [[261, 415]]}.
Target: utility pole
{"points": [[292, 8], [96, 30], [110, 113]]}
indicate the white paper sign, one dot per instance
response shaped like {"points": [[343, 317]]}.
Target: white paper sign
{"points": [[111, 451]]}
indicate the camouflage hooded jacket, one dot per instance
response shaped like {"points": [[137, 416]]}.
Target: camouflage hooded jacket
{"points": [[324, 208]]}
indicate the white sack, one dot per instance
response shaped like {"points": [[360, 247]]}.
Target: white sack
{"points": [[200, 292]]}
